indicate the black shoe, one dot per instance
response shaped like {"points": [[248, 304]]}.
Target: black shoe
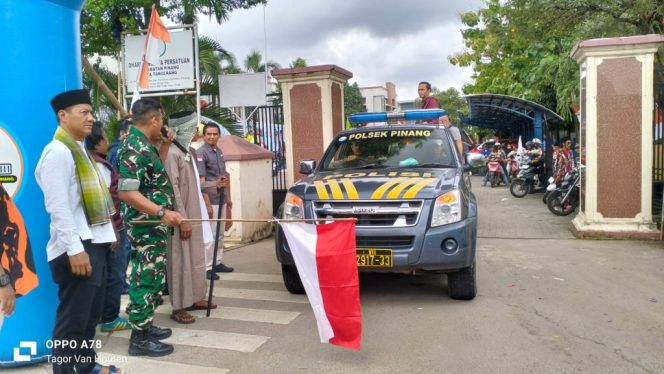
{"points": [[221, 268], [141, 344], [210, 274], [159, 333]]}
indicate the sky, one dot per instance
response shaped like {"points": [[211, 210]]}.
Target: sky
{"points": [[377, 40]]}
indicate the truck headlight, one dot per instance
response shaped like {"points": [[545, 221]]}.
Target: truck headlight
{"points": [[293, 207], [446, 209]]}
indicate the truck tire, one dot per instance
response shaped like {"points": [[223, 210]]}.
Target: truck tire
{"points": [[292, 279], [462, 285]]}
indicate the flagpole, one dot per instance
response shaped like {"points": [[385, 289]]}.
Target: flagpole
{"points": [[266, 220], [136, 95]]}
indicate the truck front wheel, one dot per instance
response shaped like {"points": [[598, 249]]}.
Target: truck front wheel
{"points": [[461, 285], [292, 279]]}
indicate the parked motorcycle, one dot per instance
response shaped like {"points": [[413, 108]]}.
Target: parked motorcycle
{"points": [[528, 180], [549, 189], [565, 199]]}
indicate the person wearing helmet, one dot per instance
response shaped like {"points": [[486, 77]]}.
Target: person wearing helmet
{"points": [[497, 155], [535, 151]]}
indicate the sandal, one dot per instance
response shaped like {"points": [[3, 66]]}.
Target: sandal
{"points": [[181, 316], [201, 305], [110, 369]]}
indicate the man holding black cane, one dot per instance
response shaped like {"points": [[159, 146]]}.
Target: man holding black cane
{"points": [[214, 185]]}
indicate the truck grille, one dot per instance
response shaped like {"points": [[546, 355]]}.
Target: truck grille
{"points": [[395, 242], [372, 213]]}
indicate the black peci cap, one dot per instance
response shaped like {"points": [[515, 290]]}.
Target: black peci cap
{"points": [[68, 98]]}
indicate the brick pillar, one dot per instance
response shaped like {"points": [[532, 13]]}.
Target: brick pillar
{"points": [[616, 134], [313, 111]]}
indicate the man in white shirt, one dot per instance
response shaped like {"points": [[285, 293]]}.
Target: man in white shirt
{"points": [[81, 232]]}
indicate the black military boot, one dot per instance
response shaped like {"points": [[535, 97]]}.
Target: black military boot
{"points": [[141, 344], [159, 333]]}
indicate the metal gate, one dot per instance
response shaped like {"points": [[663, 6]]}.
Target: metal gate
{"points": [[267, 130], [658, 146]]}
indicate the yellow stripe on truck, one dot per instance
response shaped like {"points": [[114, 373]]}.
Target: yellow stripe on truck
{"points": [[335, 189], [396, 191], [321, 190], [350, 189], [378, 194], [412, 192]]}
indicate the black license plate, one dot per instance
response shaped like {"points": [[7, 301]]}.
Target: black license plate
{"points": [[374, 257]]}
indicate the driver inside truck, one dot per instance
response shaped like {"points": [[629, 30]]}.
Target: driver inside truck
{"points": [[353, 154]]}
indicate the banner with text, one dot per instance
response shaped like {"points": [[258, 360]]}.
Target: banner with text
{"points": [[176, 62]]}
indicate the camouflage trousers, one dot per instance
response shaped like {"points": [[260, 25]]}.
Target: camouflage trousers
{"points": [[148, 272]]}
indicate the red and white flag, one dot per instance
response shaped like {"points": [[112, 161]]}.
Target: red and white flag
{"points": [[156, 35], [325, 257]]}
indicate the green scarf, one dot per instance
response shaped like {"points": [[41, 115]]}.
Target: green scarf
{"points": [[96, 197]]}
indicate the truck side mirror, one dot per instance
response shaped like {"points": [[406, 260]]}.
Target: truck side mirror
{"points": [[307, 166]]}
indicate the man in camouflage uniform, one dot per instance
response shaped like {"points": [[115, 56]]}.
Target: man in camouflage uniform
{"points": [[147, 195]]}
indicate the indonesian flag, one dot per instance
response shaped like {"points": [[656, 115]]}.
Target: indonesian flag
{"points": [[157, 33], [325, 257]]}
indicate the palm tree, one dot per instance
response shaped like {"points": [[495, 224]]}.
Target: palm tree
{"points": [[254, 63]]}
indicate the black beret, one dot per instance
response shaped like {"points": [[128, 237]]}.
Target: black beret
{"points": [[68, 98]]}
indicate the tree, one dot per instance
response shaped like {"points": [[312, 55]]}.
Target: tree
{"points": [[451, 101], [521, 47], [353, 100], [253, 63], [298, 63], [102, 21]]}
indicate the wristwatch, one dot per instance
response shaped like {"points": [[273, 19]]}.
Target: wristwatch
{"points": [[161, 212], [5, 280]]}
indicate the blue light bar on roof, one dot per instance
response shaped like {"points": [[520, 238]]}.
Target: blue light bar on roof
{"points": [[408, 115]]}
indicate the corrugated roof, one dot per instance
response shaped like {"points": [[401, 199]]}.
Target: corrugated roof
{"points": [[506, 112]]}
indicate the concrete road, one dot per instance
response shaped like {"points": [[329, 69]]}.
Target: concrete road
{"points": [[547, 303]]}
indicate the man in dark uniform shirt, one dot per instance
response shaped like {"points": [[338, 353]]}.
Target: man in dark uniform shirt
{"points": [[214, 183]]}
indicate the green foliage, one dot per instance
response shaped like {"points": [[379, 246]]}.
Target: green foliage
{"points": [[521, 47], [100, 17], [451, 101], [298, 63], [353, 100], [254, 63]]}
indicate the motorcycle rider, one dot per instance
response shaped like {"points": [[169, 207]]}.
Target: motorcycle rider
{"points": [[512, 168], [536, 158], [497, 155], [535, 151]]}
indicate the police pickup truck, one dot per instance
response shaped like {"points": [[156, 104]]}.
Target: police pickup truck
{"points": [[408, 190]]}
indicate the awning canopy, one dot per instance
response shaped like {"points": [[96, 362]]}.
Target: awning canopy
{"points": [[501, 112]]}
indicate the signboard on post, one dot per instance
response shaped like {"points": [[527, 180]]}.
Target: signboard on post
{"points": [[238, 90], [176, 71]]}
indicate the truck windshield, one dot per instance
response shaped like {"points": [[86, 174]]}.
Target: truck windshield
{"points": [[394, 148]]}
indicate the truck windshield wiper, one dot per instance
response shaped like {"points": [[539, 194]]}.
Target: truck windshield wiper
{"points": [[370, 166], [434, 165]]}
